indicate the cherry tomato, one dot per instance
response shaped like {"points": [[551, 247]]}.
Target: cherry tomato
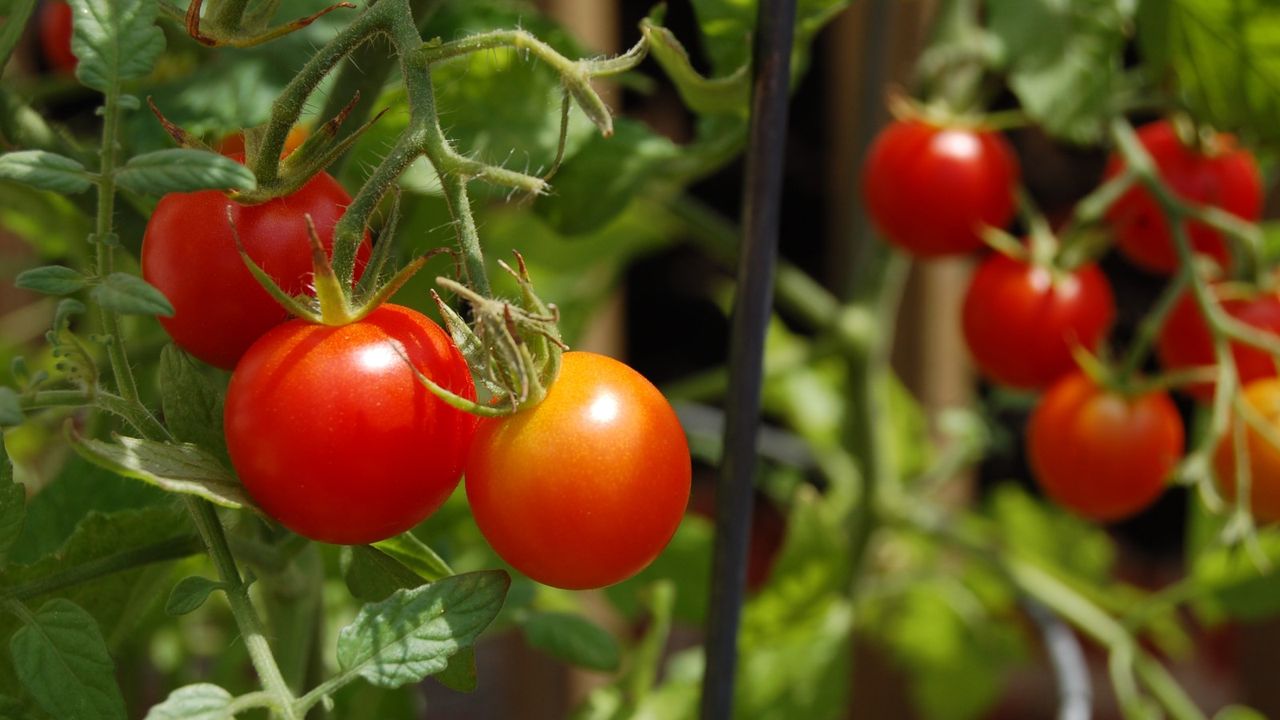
{"points": [[55, 36], [190, 255], [233, 144], [333, 435], [931, 189], [1264, 458], [1227, 178], [1100, 454], [1185, 342], [585, 488], [1021, 320]]}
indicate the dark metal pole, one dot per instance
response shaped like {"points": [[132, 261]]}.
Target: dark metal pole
{"points": [[762, 199]]}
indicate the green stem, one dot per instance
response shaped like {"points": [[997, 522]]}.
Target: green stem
{"points": [[171, 549], [455, 194], [15, 22]]}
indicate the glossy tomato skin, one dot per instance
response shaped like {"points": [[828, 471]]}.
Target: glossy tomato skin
{"points": [[931, 189], [1100, 454], [1228, 179], [55, 36], [189, 254], [585, 488], [1185, 342], [1020, 320], [334, 436], [1264, 458]]}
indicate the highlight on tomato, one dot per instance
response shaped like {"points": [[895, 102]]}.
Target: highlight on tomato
{"points": [[931, 189], [1021, 319], [585, 488], [1218, 173], [1185, 342], [1263, 397], [189, 253], [1102, 454], [332, 433]]}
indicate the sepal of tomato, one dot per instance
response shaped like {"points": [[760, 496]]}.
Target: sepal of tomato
{"points": [[1021, 319], [585, 488], [1101, 454], [1185, 341], [1228, 179], [931, 189], [1263, 396], [333, 435], [189, 253]]}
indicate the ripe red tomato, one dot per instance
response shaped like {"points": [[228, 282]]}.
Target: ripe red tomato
{"points": [[55, 36], [1227, 179], [1021, 320], [931, 189], [333, 435], [585, 488], [190, 255], [1185, 341], [1100, 454], [1264, 458], [233, 145]]}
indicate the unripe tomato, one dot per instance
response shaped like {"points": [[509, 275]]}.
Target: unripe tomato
{"points": [[189, 253], [1185, 341], [1021, 320], [1264, 458], [1100, 454], [585, 488], [334, 436], [930, 189], [1227, 178], [55, 36]]}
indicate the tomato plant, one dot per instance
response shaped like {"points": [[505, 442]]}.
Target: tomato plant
{"points": [[1219, 174], [1021, 320], [931, 189], [1263, 398], [189, 253], [584, 489], [333, 436], [233, 145], [1185, 341], [1101, 454], [55, 36]]}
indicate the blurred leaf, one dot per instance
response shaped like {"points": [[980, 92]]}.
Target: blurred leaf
{"points": [[52, 280], [411, 634], [63, 662], [114, 40], [1238, 712], [45, 171], [177, 468], [1234, 582], [1220, 54], [598, 183], [189, 594], [48, 222], [727, 27], [11, 709], [1038, 530], [795, 662], [13, 508], [686, 562], [10, 408], [194, 702], [191, 401], [130, 295], [183, 170], [573, 639]]}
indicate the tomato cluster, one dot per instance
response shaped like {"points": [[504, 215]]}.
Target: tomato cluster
{"points": [[1098, 444]]}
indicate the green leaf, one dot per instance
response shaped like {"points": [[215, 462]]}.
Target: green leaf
{"points": [[1064, 60], [11, 709], [371, 575], [189, 594], [13, 510], [178, 468], [130, 295], [114, 40], [52, 280], [191, 401], [573, 639], [460, 674], [725, 95], [1220, 54], [45, 171], [10, 408], [62, 660], [1233, 580], [183, 170], [415, 555], [194, 702], [411, 634], [598, 183], [1238, 712]]}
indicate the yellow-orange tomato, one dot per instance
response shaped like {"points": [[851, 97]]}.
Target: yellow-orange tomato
{"points": [[233, 144], [1264, 458]]}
